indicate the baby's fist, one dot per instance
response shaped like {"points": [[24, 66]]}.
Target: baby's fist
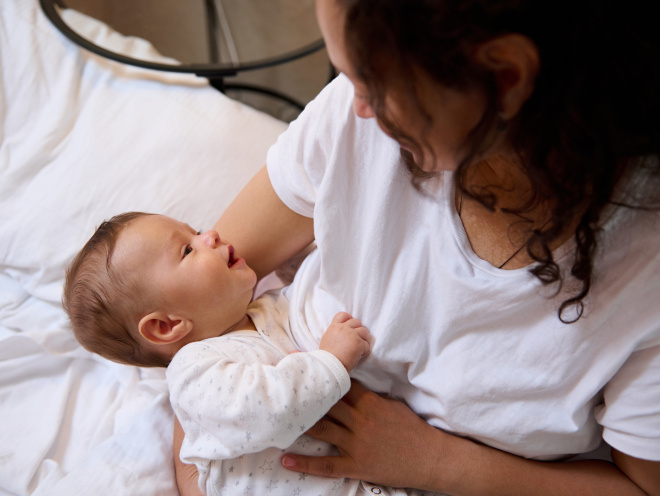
{"points": [[347, 339]]}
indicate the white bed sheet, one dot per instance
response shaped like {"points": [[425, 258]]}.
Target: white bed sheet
{"points": [[81, 139]]}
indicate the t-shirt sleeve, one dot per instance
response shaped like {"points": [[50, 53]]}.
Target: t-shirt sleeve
{"points": [[631, 413], [229, 404], [296, 162]]}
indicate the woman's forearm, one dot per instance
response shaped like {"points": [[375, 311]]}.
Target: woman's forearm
{"points": [[475, 469], [381, 440]]}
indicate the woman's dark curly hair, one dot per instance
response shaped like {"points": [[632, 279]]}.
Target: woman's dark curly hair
{"points": [[594, 114]]}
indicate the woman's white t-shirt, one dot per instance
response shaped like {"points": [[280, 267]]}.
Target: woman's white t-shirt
{"points": [[473, 349]]}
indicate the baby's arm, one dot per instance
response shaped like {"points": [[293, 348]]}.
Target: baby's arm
{"points": [[347, 339], [231, 401]]}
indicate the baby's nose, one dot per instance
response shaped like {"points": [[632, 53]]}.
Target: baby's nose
{"points": [[212, 238]]}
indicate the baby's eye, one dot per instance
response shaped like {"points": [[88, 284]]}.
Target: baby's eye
{"points": [[187, 250]]}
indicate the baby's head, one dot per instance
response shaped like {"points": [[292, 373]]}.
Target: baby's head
{"points": [[145, 285]]}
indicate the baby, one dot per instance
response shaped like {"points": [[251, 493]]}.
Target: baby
{"points": [[148, 290]]}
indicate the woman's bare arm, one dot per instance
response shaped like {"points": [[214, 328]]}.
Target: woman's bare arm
{"points": [[186, 475], [262, 229], [381, 440], [645, 473]]}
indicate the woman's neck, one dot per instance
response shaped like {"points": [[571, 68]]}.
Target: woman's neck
{"points": [[500, 212], [503, 179]]}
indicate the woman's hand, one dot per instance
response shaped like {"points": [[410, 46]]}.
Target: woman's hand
{"points": [[379, 439], [382, 441]]}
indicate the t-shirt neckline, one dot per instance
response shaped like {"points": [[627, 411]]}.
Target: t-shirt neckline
{"points": [[465, 248]]}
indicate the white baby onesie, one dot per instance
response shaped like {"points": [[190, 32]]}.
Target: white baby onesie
{"points": [[244, 399]]}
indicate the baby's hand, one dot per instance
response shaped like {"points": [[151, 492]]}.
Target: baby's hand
{"points": [[347, 339]]}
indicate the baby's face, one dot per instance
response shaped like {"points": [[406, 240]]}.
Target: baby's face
{"points": [[196, 275]]}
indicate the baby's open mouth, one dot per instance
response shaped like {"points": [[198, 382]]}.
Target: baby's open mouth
{"points": [[232, 260]]}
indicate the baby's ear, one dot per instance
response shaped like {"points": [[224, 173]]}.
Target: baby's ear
{"points": [[160, 328]]}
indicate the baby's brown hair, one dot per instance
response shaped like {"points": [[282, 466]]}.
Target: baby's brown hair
{"points": [[104, 306]]}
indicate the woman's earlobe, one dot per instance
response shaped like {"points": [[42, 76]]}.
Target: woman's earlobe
{"points": [[160, 328], [514, 60]]}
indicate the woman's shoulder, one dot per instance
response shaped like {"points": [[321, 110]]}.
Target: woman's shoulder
{"points": [[329, 118], [627, 267], [336, 98], [640, 183], [635, 205]]}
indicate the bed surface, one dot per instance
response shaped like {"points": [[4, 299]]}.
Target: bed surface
{"points": [[82, 139]]}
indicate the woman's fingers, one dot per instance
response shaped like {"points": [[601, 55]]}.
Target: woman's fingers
{"points": [[326, 466], [379, 439], [344, 413], [357, 393], [336, 429], [328, 431]]}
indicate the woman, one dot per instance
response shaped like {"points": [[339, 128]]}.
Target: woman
{"points": [[481, 185]]}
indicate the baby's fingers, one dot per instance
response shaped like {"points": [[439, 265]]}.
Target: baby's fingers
{"points": [[347, 319], [366, 347], [341, 317], [363, 332]]}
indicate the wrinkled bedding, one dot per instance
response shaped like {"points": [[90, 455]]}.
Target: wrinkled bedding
{"points": [[81, 139]]}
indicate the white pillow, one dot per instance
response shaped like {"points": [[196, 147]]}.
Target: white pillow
{"points": [[81, 139], [85, 138]]}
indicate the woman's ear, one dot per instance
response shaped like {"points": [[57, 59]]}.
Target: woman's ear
{"points": [[160, 328], [515, 61]]}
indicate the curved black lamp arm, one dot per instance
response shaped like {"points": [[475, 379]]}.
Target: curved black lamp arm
{"points": [[202, 70]]}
